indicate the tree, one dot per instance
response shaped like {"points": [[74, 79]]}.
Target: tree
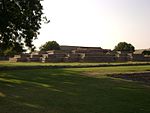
{"points": [[20, 21], [12, 50], [123, 46], [50, 45], [146, 52]]}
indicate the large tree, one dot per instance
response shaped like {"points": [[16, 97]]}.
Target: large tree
{"points": [[13, 50], [20, 21], [50, 45], [146, 52], [124, 46]]}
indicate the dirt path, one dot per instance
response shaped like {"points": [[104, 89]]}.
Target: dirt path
{"points": [[143, 76]]}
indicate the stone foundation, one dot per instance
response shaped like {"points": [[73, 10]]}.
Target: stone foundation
{"points": [[80, 55]]}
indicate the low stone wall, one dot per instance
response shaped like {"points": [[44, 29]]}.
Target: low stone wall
{"points": [[18, 59], [52, 59], [38, 59], [99, 59], [123, 59], [137, 57], [59, 57], [146, 58], [87, 56], [72, 58], [4, 58]]}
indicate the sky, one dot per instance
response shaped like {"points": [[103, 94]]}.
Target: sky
{"points": [[98, 23]]}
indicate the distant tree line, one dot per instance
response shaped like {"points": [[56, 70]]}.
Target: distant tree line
{"points": [[124, 46], [50, 45], [53, 45], [146, 52]]}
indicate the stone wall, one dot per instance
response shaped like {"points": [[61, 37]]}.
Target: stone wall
{"points": [[35, 57], [137, 57], [58, 57], [19, 58], [80, 55], [140, 57], [98, 58], [4, 58], [123, 56], [72, 57]]}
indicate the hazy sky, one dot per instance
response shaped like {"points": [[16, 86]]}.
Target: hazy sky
{"points": [[102, 23]]}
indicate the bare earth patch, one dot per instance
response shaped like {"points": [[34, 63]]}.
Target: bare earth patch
{"points": [[142, 77], [90, 74]]}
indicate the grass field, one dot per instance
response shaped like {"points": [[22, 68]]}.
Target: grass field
{"points": [[73, 90], [12, 64]]}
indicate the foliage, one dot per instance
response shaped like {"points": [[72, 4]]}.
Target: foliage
{"points": [[146, 52], [14, 49], [50, 45], [123, 46], [20, 21]]}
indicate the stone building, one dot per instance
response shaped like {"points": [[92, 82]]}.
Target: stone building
{"points": [[139, 55], [81, 54], [20, 58], [3, 58], [72, 57], [89, 54], [35, 57], [123, 56], [54, 56]]}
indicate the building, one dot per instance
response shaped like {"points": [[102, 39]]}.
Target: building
{"points": [[82, 54]]}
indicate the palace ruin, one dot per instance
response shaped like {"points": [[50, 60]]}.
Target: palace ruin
{"points": [[81, 54]]}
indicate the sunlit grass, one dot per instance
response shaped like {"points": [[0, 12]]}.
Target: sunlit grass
{"points": [[11, 64], [73, 90]]}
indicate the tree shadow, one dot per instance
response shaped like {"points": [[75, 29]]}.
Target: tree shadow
{"points": [[68, 91]]}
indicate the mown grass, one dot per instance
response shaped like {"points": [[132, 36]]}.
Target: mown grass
{"points": [[12, 64], [73, 90]]}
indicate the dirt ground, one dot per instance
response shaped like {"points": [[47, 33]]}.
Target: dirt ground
{"points": [[142, 77]]}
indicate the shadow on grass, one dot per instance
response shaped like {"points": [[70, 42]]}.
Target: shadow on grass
{"points": [[66, 91]]}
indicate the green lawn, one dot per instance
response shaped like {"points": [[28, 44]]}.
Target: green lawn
{"points": [[12, 64], [73, 90]]}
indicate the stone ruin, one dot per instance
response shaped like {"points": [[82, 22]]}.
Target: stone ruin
{"points": [[139, 55], [80, 54], [53, 56], [20, 58]]}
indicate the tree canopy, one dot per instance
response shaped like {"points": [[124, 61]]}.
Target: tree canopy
{"points": [[13, 50], [123, 46], [20, 21], [146, 52], [50, 45]]}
